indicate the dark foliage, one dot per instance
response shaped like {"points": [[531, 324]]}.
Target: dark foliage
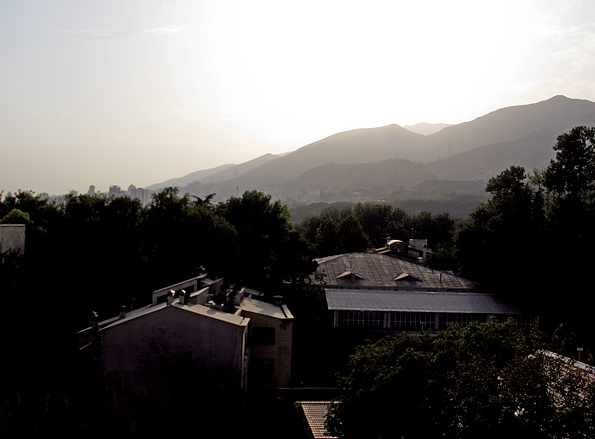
{"points": [[477, 381]]}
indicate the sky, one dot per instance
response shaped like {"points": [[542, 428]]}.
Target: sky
{"points": [[103, 92]]}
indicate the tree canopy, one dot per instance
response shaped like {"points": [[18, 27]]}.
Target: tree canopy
{"points": [[477, 381], [533, 240]]}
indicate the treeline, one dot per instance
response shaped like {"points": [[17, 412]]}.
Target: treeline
{"points": [[367, 225], [96, 253], [533, 241]]}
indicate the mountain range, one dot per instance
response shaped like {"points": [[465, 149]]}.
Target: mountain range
{"points": [[388, 162]]}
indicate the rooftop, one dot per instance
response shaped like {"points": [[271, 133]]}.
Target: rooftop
{"points": [[416, 301], [381, 272], [265, 308], [315, 413]]}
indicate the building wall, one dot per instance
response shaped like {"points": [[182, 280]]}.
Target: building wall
{"points": [[145, 348], [280, 352], [12, 237]]}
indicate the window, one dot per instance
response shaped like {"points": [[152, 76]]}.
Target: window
{"points": [[412, 321], [361, 320], [263, 336]]}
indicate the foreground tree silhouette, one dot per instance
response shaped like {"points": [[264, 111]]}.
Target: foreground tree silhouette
{"points": [[508, 220], [267, 249], [476, 381]]}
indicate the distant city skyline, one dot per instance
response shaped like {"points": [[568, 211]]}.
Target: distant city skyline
{"points": [[116, 93]]}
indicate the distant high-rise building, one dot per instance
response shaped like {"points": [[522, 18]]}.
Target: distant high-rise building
{"points": [[91, 190], [116, 191], [144, 195]]}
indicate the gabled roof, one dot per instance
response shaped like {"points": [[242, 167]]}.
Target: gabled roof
{"points": [[347, 275], [315, 413], [381, 272], [416, 301], [406, 276]]}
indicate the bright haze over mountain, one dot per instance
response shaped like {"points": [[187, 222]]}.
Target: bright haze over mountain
{"points": [[134, 92]]}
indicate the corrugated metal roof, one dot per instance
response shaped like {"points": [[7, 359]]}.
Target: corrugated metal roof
{"points": [[377, 271], [416, 301], [315, 413]]}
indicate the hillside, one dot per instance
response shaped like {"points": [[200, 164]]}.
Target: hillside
{"points": [[532, 151], [426, 128], [349, 165], [507, 124], [362, 180], [189, 178]]}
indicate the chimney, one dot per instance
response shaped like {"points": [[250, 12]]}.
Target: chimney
{"points": [[132, 303], [122, 314], [170, 297], [277, 300], [183, 298]]}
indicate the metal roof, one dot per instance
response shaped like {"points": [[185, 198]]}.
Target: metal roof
{"points": [[416, 301], [315, 413], [380, 272]]}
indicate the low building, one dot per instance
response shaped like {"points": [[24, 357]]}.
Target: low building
{"points": [[416, 251], [375, 292], [241, 341]]}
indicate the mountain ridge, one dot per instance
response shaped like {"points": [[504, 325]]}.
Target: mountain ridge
{"points": [[471, 150]]}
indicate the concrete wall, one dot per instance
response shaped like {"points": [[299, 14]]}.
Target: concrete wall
{"points": [[12, 237], [280, 352], [146, 348]]}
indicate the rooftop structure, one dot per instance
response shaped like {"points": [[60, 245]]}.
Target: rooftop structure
{"points": [[237, 340], [375, 292]]}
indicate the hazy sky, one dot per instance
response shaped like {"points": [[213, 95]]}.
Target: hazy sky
{"points": [[140, 91]]}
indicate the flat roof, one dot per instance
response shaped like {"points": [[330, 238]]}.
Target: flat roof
{"points": [[196, 309], [265, 308], [416, 301], [214, 313]]}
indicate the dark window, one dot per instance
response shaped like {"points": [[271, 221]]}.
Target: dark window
{"points": [[263, 336]]}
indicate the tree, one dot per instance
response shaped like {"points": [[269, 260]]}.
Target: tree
{"points": [[380, 221], [570, 184], [352, 237], [467, 382], [180, 236], [437, 229], [571, 175], [487, 243], [266, 250]]}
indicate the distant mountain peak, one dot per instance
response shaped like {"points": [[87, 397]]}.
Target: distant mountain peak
{"points": [[425, 128]]}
